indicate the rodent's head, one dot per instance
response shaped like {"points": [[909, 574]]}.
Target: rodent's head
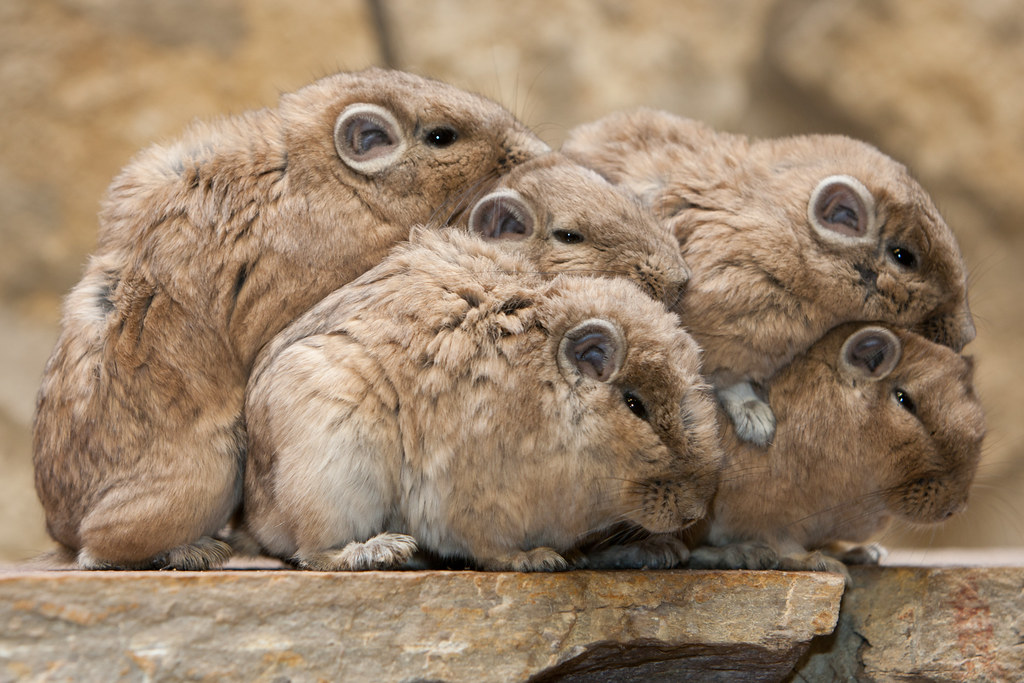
{"points": [[567, 219], [638, 409], [882, 233], [408, 146], [916, 410]]}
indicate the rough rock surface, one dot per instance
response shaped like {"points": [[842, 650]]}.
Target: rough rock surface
{"points": [[405, 626], [917, 623]]}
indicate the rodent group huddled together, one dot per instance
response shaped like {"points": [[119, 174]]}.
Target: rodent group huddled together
{"points": [[384, 325]]}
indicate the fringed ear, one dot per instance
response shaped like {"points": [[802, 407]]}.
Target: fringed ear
{"points": [[594, 348], [870, 353], [842, 211], [368, 138], [502, 215]]}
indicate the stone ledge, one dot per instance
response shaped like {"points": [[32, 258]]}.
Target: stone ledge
{"points": [[410, 626], [925, 624]]}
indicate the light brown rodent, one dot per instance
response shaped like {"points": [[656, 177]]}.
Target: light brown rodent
{"points": [[565, 218], [208, 246], [455, 401], [874, 423], [786, 238]]}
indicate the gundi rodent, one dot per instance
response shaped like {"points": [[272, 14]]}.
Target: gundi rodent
{"points": [[384, 325]]}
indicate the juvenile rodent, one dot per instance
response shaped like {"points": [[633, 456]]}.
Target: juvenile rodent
{"points": [[565, 218], [786, 238], [455, 401], [874, 424], [207, 247]]}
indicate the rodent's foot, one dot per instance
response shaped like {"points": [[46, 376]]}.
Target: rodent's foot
{"points": [[734, 556], [205, 553], [753, 418], [662, 551], [383, 551], [871, 553], [536, 560], [814, 562]]}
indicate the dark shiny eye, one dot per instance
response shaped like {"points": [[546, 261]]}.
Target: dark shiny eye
{"points": [[634, 403], [568, 236], [903, 257], [905, 401], [442, 136]]}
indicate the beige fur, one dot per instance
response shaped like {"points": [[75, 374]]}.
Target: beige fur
{"points": [[567, 219], [454, 400], [766, 282], [208, 246], [848, 456]]}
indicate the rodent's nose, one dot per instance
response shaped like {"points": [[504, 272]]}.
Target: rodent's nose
{"points": [[666, 285], [679, 277]]}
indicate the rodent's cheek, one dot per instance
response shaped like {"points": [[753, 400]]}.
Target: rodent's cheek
{"points": [[893, 288], [927, 500], [666, 505]]}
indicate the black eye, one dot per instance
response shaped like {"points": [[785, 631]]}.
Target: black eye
{"points": [[634, 403], [442, 136], [568, 236], [905, 401], [903, 257]]}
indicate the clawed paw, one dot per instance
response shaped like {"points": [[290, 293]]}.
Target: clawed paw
{"points": [[656, 552], [814, 562], [752, 418], [383, 551], [535, 560], [734, 556]]}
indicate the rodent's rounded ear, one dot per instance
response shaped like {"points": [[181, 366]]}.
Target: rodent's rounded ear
{"points": [[595, 348], [842, 210], [502, 215], [870, 353], [368, 137]]}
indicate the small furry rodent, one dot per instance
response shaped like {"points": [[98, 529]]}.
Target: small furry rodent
{"points": [[455, 401], [207, 247], [565, 218], [786, 238], [874, 423]]}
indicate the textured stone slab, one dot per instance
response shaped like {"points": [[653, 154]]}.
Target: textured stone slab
{"points": [[406, 626], [934, 624]]}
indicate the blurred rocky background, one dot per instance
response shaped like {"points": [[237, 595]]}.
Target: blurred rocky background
{"points": [[84, 84]]}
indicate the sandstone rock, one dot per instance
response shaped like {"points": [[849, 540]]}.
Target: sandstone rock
{"points": [[437, 626], [949, 624], [559, 64], [928, 79]]}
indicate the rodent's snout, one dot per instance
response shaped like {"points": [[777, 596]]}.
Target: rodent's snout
{"points": [[955, 330], [663, 284]]}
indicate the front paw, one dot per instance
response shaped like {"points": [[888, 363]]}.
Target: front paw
{"points": [[383, 551], [752, 418], [657, 552], [872, 553], [734, 556], [814, 562], [536, 560]]}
